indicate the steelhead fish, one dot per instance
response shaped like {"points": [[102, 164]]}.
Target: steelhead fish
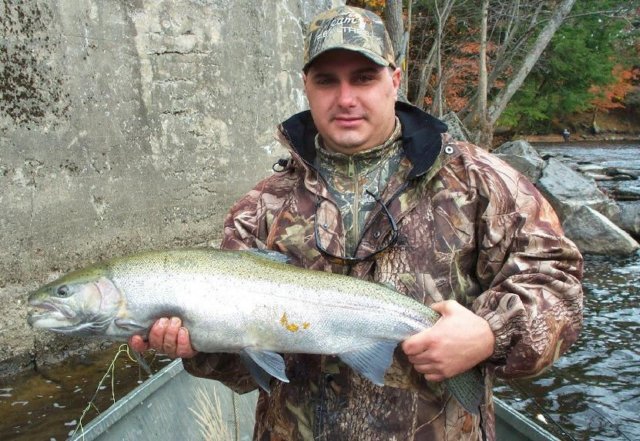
{"points": [[246, 302]]}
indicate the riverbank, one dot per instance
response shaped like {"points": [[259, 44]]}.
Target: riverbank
{"points": [[605, 137], [631, 137], [615, 125]]}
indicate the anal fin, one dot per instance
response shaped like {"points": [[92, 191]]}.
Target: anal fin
{"points": [[263, 365], [371, 361]]}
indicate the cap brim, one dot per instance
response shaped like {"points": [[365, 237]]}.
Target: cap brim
{"points": [[370, 55]]}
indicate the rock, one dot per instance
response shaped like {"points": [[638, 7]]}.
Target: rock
{"points": [[594, 171], [621, 174], [629, 219], [568, 190], [598, 177], [624, 194], [593, 233], [523, 157], [455, 127], [588, 167]]}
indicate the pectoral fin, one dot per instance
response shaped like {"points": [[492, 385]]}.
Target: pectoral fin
{"points": [[371, 361], [129, 325], [263, 365]]}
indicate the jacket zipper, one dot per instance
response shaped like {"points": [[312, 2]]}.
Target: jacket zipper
{"points": [[355, 236]]}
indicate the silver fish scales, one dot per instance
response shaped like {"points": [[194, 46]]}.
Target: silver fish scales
{"points": [[245, 302]]}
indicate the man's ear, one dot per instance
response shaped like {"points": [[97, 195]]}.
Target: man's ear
{"points": [[396, 76]]}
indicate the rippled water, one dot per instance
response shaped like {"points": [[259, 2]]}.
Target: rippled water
{"points": [[623, 156], [48, 405], [593, 392]]}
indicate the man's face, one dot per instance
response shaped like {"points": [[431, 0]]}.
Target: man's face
{"points": [[352, 100]]}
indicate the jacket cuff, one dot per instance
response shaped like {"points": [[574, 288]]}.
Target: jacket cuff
{"points": [[503, 334], [202, 365]]}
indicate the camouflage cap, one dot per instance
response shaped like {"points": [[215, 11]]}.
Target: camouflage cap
{"points": [[349, 28]]}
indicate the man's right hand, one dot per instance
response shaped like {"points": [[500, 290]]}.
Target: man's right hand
{"points": [[166, 336]]}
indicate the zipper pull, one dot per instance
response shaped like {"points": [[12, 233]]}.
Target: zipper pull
{"points": [[352, 168]]}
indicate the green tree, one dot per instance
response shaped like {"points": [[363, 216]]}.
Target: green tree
{"points": [[582, 54]]}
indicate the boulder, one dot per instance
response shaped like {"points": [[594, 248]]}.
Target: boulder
{"points": [[629, 219], [455, 127], [568, 191], [571, 191], [593, 233], [600, 173], [621, 174], [628, 194], [523, 157]]}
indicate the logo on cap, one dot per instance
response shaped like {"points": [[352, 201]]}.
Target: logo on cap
{"points": [[352, 29]]}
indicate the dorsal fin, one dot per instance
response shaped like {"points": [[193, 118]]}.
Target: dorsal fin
{"points": [[270, 254]]}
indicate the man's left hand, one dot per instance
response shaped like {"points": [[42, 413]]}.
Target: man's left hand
{"points": [[457, 342]]}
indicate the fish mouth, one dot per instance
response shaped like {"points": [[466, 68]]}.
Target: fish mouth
{"points": [[46, 314]]}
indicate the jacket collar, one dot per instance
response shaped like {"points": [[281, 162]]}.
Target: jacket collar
{"points": [[421, 136]]}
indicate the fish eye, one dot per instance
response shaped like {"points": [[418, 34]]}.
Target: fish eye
{"points": [[63, 291]]}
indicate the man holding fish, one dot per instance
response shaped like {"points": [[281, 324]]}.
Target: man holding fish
{"points": [[378, 190]]}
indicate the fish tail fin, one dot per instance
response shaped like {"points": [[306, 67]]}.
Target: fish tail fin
{"points": [[468, 388]]}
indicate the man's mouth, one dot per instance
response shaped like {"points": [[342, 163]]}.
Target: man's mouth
{"points": [[348, 121]]}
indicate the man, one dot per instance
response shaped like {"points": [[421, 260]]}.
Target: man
{"points": [[378, 190]]}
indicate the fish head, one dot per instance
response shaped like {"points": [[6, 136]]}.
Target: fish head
{"points": [[84, 302]]}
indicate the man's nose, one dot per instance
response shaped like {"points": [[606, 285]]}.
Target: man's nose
{"points": [[346, 94]]}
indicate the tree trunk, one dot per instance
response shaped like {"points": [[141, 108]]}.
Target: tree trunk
{"points": [[511, 44], [505, 95], [436, 104], [430, 61], [399, 38], [425, 77], [404, 60], [482, 133], [442, 15]]}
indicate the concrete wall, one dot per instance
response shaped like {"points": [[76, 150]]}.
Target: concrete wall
{"points": [[128, 125]]}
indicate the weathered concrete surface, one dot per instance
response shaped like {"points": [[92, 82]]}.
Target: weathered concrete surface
{"points": [[132, 125]]}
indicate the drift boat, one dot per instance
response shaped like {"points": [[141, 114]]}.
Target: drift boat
{"points": [[175, 405]]}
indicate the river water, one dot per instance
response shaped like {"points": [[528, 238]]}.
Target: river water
{"points": [[591, 393]]}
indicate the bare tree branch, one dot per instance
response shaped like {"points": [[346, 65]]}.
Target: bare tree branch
{"points": [[505, 95]]}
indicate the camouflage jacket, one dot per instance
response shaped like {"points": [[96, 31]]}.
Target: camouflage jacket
{"points": [[470, 228]]}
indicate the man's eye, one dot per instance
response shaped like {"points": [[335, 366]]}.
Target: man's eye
{"points": [[362, 79], [323, 81]]}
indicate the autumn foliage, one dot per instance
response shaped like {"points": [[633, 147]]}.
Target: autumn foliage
{"points": [[588, 65], [611, 96], [374, 5]]}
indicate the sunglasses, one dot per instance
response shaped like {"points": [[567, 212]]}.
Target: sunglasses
{"points": [[344, 260]]}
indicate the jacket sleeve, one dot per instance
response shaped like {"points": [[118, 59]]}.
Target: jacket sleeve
{"points": [[244, 228], [531, 273]]}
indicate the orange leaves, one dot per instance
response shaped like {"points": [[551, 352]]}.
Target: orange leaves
{"points": [[374, 5], [611, 96], [461, 74], [470, 47]]}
